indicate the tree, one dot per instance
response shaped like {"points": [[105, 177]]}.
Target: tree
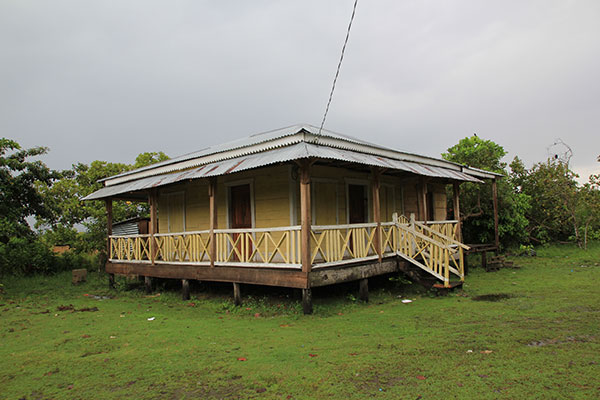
{"points": [[476, 199], [68, 211], [19, 197], [20, 249]]}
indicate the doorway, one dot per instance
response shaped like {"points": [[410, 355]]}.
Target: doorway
{"points": [[240, 214], [357, 204]]}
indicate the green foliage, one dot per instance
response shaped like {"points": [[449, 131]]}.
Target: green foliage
{"points": [[476, 152], [562, 208], [29, 255], [477, 212], [68, 211], [19, 197]]}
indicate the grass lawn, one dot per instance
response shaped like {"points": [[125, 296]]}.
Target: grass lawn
{"points": [[539, 341]]}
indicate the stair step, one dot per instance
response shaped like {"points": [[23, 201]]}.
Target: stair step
{"points": [[452, 285]]}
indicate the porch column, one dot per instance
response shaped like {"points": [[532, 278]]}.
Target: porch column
{"points": [[305, 227], [153, 228], [377, 213], [456, 207], [305, 216], [109, 223], [495, 200], [212, 211]]}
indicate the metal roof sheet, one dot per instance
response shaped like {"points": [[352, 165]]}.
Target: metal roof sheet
{"points": [[267, 141], [294, 152]]}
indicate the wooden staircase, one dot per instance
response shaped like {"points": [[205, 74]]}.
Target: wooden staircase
{"points": [[433, 253]]}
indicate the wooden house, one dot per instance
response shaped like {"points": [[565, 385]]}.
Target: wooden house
{"points": [[293, 208]]}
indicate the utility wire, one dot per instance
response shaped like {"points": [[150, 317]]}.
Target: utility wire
{"points": [[337, 72]]}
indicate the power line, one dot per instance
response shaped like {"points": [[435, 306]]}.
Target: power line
{"points": [[337, 72]]}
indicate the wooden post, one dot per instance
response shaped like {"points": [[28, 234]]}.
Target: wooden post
{"points": [[148, 284], [377, 213], [237, 294], [307, 307], [109, 224], [212, 206], [153, 228], [456, 207], [495, 200], [185, 289], [305, 217], [363, 290], [422, 200]]}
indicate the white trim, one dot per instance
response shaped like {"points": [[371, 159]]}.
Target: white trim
{"points": [[228, 185]]}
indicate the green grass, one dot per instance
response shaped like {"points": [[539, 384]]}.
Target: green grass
{"points": [[542, 341]]}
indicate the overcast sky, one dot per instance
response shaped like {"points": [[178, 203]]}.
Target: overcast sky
{"points": [[110, 79]]}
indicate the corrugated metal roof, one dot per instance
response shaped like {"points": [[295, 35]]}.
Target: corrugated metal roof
{"points": [[262, 142], [279, 155]]}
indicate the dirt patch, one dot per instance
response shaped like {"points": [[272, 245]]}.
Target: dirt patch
{"points": [[492, 297]]}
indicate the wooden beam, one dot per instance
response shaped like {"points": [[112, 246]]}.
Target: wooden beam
{"points": [[153, 228], [377, 212], [331, 276], [305, 216], [237, 294], [213, 223], [109, 224], [363, 290], [256, 276], [456, 207], [307, 307], [495, 200], [422, 199], [185, 289], [148, 284]]}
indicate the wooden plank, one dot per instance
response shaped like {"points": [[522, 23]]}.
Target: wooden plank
{"points": [[495, 201], [213, 222], [305, 215], [256, 276], [324, 277]]}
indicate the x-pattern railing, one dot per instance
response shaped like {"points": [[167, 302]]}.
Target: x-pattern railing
{"points": [[426, 246]]}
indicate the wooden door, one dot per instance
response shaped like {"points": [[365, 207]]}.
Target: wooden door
{"points": [[357, 204], [240, 213]]}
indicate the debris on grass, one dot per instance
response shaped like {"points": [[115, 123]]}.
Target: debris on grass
{"points": [[406, 301], [151, 318]]}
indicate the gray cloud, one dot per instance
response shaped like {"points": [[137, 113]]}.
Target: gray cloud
{"points": [[107, 80]]}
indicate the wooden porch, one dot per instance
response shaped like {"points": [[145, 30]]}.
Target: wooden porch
{"points": [[273, 256]]}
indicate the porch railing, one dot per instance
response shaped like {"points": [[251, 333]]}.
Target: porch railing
{"points": [[431, 246]]}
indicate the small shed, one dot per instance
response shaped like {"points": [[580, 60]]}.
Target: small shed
{"points": [[132, 226]]}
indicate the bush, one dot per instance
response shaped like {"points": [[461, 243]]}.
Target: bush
{"points": [[28, 256]]}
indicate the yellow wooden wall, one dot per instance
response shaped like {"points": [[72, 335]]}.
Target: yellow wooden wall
{"points": [[439, 201], [274, 191]]}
